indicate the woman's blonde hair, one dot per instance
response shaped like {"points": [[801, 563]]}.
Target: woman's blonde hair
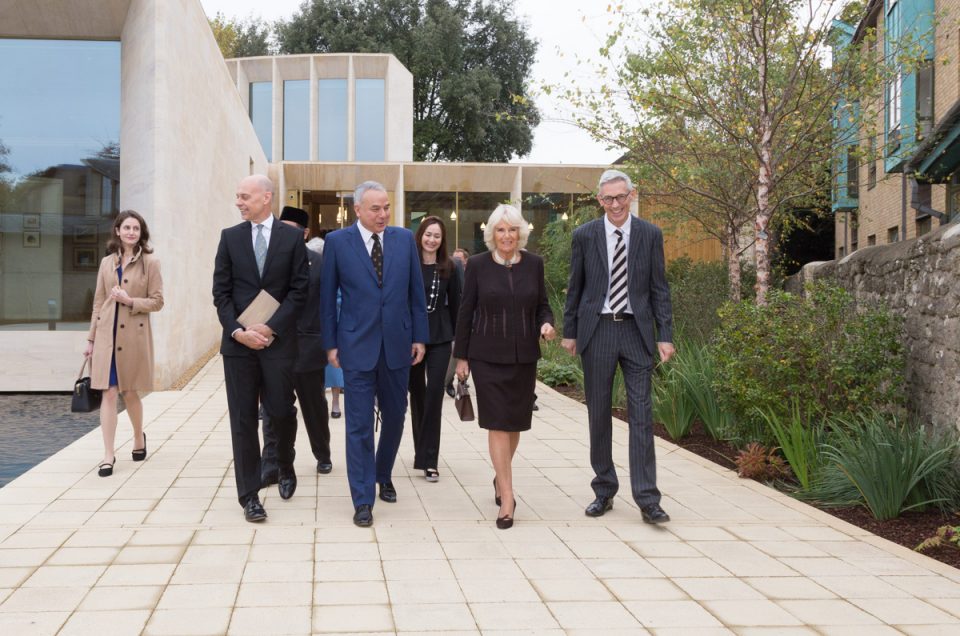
{"points": [[512, 216]]}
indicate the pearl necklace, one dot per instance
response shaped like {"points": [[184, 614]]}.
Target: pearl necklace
{"points": [[434, 292], [508, 262]]}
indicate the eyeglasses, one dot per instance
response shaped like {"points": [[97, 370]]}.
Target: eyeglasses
{"points": [[620, 198]]}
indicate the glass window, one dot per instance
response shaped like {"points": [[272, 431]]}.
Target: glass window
{"points": [[418, 205], [893, 234], [924, 225], [59, 177], [296, 120], [369, 120], [853, 172], [473, 210], [261, 114], [332, 120]]}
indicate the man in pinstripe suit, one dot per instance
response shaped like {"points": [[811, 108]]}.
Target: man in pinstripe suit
{"points": [[617, 293]]}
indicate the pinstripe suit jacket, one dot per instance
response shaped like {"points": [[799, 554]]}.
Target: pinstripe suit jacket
{"points": [[590, 281]]}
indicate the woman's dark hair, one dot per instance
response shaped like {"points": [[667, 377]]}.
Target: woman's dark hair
{"points": [[444, 264], [115, 245]]}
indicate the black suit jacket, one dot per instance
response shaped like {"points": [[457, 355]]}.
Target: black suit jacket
{"points": [[312, 356], [236, 282], [590, 280]]}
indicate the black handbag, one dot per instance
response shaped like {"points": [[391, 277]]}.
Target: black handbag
{"points": [[463, 402], [85, 399]]}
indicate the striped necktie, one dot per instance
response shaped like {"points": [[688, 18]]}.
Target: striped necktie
{"points": [[618, 276], [260, 249]]}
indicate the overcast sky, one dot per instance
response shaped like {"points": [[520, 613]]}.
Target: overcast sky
{"points": [[564, 29]]}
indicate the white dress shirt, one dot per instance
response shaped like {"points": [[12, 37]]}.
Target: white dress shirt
{"points": [[367, 237], [609, 229], [267, 228]]}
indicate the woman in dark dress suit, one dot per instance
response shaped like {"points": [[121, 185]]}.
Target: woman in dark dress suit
{"points": [[503, 313], [441, 284]]}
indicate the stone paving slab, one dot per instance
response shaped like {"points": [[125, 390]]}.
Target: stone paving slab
{"points": [[161, 547]]}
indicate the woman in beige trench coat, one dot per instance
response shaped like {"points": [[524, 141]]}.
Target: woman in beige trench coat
{"points": [[129, 287]]}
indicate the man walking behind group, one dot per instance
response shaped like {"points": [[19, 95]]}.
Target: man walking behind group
{"points": [[260, 254], [616, 293], [380, 332]]}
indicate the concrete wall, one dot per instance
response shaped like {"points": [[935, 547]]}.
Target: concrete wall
{"points": [[186, 141], [918, 280]]}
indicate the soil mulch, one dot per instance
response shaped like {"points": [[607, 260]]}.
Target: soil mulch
{"points": [[907, 530]]}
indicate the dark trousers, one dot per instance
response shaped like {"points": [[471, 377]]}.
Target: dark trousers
{"points": [[252, 380], [366, 467], [309, 387], [620, 343], [427, 382]]}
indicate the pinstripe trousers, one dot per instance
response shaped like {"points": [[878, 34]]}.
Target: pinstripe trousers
{"points": [[620, 343]]}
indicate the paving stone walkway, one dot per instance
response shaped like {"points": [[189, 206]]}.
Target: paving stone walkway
{"points": [[162, 548]]}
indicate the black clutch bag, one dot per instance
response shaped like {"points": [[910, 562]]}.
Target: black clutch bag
{"points": [[463, 402], [85, 399]]}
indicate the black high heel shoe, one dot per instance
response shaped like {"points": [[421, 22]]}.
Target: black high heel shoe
{"points": [[105, 469], [506, 521], [496, 494], [140, 454]]}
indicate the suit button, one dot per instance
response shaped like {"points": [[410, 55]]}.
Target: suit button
{"points": [[141, 324], [121, 326], [125, 280], [119, 348]]}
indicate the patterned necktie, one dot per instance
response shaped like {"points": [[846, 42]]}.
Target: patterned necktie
{"points": [[618, 276], [376, 255], [260, 249]]}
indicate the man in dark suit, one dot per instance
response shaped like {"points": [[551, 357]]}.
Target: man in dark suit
{"points": [[617, 292], [259, 254], [309, 369], [380, 332]]}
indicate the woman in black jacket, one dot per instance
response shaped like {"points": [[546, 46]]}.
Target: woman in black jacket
{"points": [[441, 283], [503, 315]]}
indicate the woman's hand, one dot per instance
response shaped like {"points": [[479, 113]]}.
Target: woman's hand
{"points": [[120, 295], [89, 350], [463, 370], [547, 332]]}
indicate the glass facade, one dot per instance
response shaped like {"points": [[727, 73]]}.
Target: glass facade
{"points": [[463, 213], [59, 177], [369, 119], [296, 120], [261, 114], [332, 120]]}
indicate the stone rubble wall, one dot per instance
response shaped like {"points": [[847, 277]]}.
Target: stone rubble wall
{"points": [[920, 280]]}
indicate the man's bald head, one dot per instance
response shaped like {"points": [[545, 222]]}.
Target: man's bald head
{"points": [[254, 194]]}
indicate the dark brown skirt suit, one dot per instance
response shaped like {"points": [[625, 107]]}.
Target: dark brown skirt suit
{"points": [[498, 333]]}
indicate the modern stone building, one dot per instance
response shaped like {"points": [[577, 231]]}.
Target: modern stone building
{"points": [[909, 187], [128, 104]]}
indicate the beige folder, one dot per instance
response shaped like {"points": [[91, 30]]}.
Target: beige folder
{"points": [[259, 311]]}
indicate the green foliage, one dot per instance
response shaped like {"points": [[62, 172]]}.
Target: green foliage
{"points": [[470, 61], [673, 405], [695, 365], [888, 466], [697, 291], [560, 372], [945, 536], [818, 350], [554, 247], [240, 38], [800, 436]]}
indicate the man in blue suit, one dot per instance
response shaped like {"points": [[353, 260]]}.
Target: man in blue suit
{"points": [[380, 332]]}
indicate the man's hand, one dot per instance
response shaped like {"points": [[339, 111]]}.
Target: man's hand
{"points": [[570, 344], [251, 339], [417, 352], [262, 329], [333, 359], [666, 350], [463, 370], [547, 332]]}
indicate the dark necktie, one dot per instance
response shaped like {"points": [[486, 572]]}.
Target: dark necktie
{"points": [[618, 276], [376, 255]]}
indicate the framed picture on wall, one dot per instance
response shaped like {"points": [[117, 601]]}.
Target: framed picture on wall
{"points": [[31, 238], [84, 257], [31, 221], [85, 233]]}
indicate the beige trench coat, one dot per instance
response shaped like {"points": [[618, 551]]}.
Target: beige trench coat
{"points": [[134, 346]]}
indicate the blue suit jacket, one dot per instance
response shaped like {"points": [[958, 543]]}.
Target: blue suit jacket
{"points": [[394, 316]]}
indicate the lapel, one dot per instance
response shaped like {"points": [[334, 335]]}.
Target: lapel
{"points": [[600, 239], [356, 241], [246, 246], [633, 250], [275, 231]]}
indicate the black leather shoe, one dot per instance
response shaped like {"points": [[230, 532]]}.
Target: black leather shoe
{"points": [[388, 493], [140, 454], [268, 478], [287, 483], [363, 517], [599, 507], [654, 514], [324, 467], [452, 392], [253, 510]]}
